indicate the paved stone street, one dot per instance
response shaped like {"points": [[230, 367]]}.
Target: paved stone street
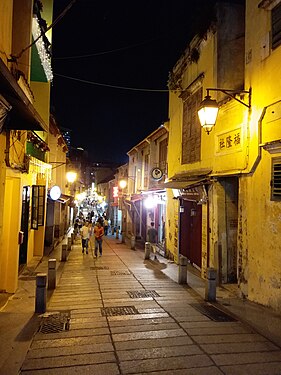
{"points": [[126, 316]]}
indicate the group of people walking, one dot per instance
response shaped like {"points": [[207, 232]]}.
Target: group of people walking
{"points": [[91, 236]]}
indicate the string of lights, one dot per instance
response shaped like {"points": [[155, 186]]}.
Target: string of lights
{"points": [[113, 86]]}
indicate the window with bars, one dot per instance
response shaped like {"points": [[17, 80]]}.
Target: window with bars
{"points": [[276, 180], [191, 129], [276, 26], [38, 206]]}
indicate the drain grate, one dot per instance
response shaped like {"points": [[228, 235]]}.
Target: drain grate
{"points": [[212, 312], [116, 272], [54, 323], [99, 268], [142, 293], [119, 310]]}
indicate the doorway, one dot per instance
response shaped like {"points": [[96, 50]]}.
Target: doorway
{"points": [[24, 226], [190, 239], [228, 227]]}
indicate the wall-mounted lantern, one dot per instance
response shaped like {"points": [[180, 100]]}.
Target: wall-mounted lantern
{"points": [[208, 109]]}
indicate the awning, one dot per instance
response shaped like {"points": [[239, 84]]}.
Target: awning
{"points": [[135, 198], [64, 198], [22, 115], [183, 184]]}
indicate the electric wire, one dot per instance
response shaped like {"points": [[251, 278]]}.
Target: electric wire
{"points": [[113, 86], [59, 17], [106, 52]]}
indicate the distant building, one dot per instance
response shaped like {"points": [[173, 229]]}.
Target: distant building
{"points": [[66, 133]]}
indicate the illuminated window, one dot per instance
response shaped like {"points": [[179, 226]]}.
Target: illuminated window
{"points": [[276, 180], [38, 206]]}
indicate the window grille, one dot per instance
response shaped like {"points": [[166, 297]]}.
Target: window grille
{"points": [[276, 26], [38, 206], [276, 179]]}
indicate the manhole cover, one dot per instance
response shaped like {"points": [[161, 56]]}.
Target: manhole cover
{"points": [[142, 293], [99, 268], [119, 310], [57, 322], [125, 272], [212, 312]]}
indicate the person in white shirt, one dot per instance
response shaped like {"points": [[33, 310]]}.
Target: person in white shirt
{"points": [[85, 234]]}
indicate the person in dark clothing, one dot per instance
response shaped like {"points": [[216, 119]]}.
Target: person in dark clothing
{"points": [[152, 235]]}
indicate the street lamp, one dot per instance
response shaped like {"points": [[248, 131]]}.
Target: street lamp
{"points": [[122, 184], [208, 109], [71, 176]]}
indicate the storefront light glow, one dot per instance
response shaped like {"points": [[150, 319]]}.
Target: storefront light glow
{"points": [[150, 202]]}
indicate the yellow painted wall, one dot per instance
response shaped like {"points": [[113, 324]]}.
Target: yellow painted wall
{"points": [[260, 220], [11, 226], [6, 12]]}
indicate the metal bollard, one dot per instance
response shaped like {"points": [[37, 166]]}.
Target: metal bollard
{"points": [[72, 238], [117, 234], [133, 242], [41, 293], [211, 285], [68, 243], [182, 276], [123, 237], [64, 253], [147, 249], [52, 273]]}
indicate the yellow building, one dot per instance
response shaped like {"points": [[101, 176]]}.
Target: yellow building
{"points": [[227, 179], [261, 206], [25, 173]]}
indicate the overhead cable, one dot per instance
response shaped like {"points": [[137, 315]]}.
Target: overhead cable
{"points": [[111, 86], [44, 32], [106, 52]]}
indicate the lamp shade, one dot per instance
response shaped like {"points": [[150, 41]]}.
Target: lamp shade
{"points": [[207, 113], [71, 176]]}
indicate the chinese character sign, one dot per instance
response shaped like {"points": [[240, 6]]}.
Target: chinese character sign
{"points": [[230, 141]]}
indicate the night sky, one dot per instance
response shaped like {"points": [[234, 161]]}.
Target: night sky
{"points": [[130, 44]]}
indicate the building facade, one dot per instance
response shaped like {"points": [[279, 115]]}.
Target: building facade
{"points": [[226, 181]]}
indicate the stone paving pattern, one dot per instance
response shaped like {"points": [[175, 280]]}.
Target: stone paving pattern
{"points": [[166, 336]]}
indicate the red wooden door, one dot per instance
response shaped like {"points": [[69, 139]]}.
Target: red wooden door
{"points": [[191, 231]]}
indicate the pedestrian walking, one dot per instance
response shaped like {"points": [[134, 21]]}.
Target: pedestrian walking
{"points": [[152, 235], [98, 232], [85, 236], [91, 236]]}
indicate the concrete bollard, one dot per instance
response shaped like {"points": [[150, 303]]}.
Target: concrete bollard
{"points": [[147, 249], [52, 273], [211, 285], [182, 276], [72, 238], [133, 242], [64, 253], [69, 243], [41, 293]]}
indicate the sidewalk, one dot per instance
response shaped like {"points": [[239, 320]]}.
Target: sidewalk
{"points": [[129, 316]]}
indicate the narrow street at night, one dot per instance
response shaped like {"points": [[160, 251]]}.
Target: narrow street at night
{"points": [[127, 315]]}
